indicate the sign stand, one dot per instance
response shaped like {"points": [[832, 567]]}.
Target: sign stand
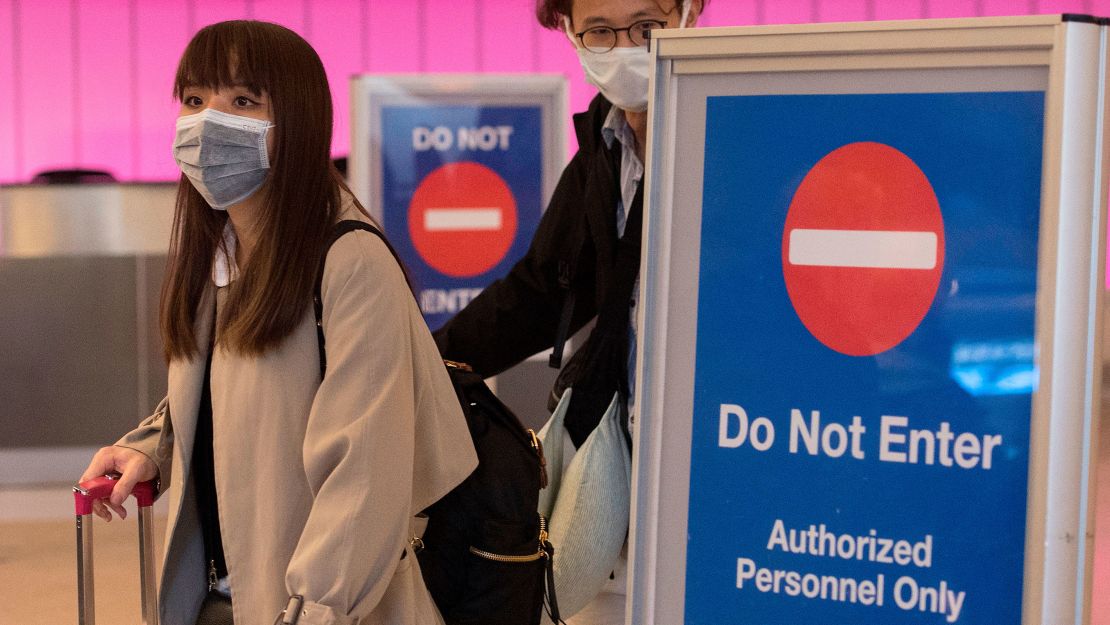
{"points": [[870, 347]]}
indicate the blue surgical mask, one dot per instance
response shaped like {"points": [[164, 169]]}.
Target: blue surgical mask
{"points": [[223, 155]]}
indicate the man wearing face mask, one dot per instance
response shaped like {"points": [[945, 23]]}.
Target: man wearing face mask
{"points": [[583, 262]]}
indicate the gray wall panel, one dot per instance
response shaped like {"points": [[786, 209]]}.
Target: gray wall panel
{"points": [[152, 379], [67, 350]]}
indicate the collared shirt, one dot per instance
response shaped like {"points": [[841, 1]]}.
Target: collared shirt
{"points": [[632, 169], [224, 269], [632, 172]]}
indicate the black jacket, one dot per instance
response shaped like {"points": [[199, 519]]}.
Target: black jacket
{"points": [[574, 250]]}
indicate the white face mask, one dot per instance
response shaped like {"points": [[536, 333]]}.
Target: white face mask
{"points": [[223, 155], [621, 74]]}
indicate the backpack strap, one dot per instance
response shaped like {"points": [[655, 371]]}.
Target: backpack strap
{"points": [[614, 313], [341, 228], [555, 361], [567, 268]]}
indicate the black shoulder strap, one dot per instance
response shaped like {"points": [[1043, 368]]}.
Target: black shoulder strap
{"points": [[626, 268], [341, 228], [624, 272]]}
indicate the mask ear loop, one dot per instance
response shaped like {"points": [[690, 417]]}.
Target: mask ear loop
{"points": [[685, 13], [569, 32]]}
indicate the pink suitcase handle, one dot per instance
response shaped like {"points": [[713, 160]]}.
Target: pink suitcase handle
{"points": [[85, 493]]}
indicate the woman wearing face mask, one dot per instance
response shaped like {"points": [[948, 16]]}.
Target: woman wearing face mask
{"points": [[584, 259], [287, 489]]}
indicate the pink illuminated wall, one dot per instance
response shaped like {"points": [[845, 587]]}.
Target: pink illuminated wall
{"points": [[86, 83]]}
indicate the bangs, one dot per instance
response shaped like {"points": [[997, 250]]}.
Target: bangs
{"points": [[224, 55]]}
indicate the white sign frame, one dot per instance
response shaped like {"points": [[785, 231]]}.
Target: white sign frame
{"points": [[1068, 56]]}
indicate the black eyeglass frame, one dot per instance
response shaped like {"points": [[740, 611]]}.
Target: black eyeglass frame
{"points": [[627, 30]]}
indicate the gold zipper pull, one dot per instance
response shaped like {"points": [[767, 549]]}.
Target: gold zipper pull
{"points": [[538, 446], [213, 580]]}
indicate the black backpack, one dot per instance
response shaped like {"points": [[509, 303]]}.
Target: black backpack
{"points": [[485, 556]]}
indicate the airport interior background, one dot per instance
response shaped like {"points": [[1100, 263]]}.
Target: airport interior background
{"points": [[86, 84]]}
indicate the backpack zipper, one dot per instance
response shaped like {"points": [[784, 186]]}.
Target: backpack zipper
{"points": [[513, 558], [539, 555], [532, 557]]}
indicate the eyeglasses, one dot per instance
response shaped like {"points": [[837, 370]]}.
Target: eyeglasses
{"points": [[602, 39]]}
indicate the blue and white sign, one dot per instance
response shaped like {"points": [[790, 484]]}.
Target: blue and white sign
{"points": [[458, 169], [864, 358], [462, 196]]}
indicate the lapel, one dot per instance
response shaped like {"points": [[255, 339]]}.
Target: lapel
{"points": [[603, 189], [186, 380]]}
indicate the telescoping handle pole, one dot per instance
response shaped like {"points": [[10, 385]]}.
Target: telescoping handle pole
{"points": [[84, 494]]}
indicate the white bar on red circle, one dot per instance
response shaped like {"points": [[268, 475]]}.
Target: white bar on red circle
{"points": [[873, 249], [458, 219]]}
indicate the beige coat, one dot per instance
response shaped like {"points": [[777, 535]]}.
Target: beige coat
{"points": [[317, 481]]}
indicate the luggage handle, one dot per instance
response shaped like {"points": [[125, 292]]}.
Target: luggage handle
{"points": [[84, 494]]}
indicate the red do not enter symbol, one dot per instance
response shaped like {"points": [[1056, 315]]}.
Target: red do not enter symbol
{"points": [[863, 248], [462, 219]]}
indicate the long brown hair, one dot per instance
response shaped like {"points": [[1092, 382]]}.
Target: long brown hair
{"points": [[301, 196], [550, 13]]}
